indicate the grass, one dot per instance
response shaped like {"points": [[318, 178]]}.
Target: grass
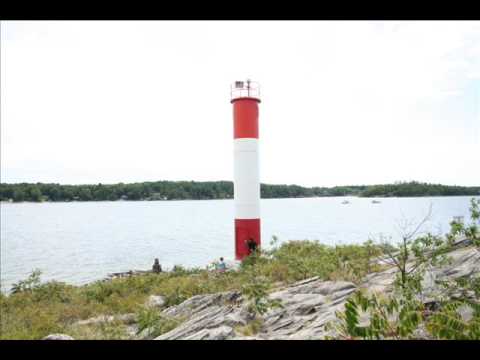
{"points": [[154, 323], [39, 309], [250, 329]]}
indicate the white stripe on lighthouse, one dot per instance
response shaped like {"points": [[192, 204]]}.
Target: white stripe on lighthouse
{"points": [[246, 179]]}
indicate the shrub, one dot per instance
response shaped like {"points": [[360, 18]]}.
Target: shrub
{"points": [[399, 315], [256, 293], [154, 322], [387, 317], [29, 284]]}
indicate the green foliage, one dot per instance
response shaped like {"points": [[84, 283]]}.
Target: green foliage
{"points": [[53, 291], [463, 295], [256, 293], [29, 284], [401, 313], [99, 292], [471, 230], [298, 260], [413, 188], [154, 322], [414, 254], [180, 190], [388, 318], [448, 323]]}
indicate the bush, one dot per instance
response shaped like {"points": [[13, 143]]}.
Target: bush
{"points": [[256, 293], [29, 284], [154, 322]]}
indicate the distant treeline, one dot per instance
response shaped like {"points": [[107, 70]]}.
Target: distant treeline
{"points": [[183, 190], [418, 189]]}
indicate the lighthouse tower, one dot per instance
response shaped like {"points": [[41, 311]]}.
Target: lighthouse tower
{"points": [[245, 97]]}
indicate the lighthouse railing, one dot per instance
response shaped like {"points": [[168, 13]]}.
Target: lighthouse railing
{"points": [[242, 89]]}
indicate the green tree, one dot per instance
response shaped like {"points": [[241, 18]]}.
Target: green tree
{"points": [[18, 195], [33, 193]]}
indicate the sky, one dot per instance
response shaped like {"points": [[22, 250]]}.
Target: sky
{"points": [[343, 102]]}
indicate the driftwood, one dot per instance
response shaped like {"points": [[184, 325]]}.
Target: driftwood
{"points": [[128, 274]]}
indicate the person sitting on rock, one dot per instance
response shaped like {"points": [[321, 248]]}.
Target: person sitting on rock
{"points": [[156, 268], [221, 266], [252, 246]]}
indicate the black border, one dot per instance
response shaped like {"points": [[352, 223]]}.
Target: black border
{"points": [[242, 349], [238, 10]]}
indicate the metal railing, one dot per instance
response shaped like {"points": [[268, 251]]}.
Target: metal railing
{"points": [[246, 88]]}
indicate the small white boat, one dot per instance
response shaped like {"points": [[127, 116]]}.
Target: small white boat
{"points": [[376, 202], [345, 202]]}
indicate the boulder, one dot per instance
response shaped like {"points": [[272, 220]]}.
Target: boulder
{"points": [[155, 301]]}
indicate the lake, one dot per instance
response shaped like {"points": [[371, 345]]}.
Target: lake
{"points": [[79, 242]]}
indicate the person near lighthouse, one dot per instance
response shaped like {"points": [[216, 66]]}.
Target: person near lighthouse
{"points": [[252, 245], [156, 268]]}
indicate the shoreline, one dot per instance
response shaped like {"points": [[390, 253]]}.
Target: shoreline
{"points": [[282, 198], [232, 265]]}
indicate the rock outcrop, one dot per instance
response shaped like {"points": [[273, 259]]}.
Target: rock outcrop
{"points": [[308, 305], [463, 262]]}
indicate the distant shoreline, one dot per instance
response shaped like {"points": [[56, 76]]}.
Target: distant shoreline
{"points": [[215, 190]]}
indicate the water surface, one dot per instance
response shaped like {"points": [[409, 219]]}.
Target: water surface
{"points": [[78, 242]]}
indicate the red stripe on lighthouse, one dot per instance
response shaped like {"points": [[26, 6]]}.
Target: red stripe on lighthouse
{"points": [[244, 230], [245, 115]]}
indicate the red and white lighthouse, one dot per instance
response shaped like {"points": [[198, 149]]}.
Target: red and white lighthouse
{"points": [[245, 97]]}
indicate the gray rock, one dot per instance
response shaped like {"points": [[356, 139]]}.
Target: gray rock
{"points": [[58, 337], [155, 301], [131, 330], [307, 306], [220, 333]]}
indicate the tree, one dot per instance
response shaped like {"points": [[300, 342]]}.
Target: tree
{"points": [[414, 253], [18, 195], [34, 193], [470, 231]]}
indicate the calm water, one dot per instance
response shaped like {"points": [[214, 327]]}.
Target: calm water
{"points": [[83, 241]]}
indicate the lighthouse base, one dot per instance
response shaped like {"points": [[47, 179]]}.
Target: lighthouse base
{"points": [[244, 230]]}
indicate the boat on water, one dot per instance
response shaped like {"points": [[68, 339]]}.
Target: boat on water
{"points": [[345, 202], [376, 202]]}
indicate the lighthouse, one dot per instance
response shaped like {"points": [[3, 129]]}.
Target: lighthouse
{"points": [[245, 97]]}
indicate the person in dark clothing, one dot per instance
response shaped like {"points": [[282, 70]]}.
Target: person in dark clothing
{"points": [[156, 268], [252, 246]]}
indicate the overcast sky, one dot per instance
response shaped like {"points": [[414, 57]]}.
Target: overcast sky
{"points": [[342, 102]]}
